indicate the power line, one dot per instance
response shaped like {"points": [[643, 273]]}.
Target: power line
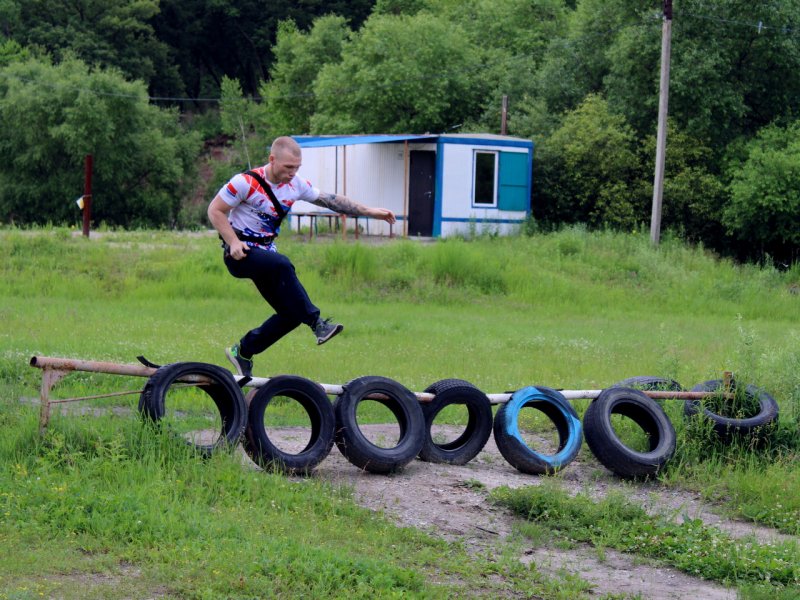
{"points": [[759, 26]]}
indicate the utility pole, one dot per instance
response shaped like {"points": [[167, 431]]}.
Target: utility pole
{"points": [[661, 140], [504, 116]]}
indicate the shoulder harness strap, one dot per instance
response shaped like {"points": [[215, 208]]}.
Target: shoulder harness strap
{"points": [[270, 194]]}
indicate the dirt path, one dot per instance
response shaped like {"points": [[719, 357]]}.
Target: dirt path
{"points": [[451, 502]]}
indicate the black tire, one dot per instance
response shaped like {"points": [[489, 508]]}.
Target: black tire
{"points": [[479, 422], [404, 406], [727, 428], [606, 445], [223, 390], [649, 383], [514, 449], [318, 407]]}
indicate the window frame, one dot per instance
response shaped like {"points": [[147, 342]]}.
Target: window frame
{"points": [[495, 181]]}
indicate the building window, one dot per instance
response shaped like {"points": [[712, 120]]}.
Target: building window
{"points": [[484, 178]]}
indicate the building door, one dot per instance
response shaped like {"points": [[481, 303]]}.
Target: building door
{"points": [[421, 190]]}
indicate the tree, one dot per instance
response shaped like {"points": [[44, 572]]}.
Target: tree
{"points": [[764, 209], [11, 51], [53, 115], [398, 7], [9, 16], [694, 193], [512, 37], [577, 62], [111, 33], [289, 96], [408, 74], [588, 171], [235, 38], [727, 78]]}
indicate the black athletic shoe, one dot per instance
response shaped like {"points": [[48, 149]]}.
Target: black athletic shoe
{"points": [[244, 366], [325, 330]]}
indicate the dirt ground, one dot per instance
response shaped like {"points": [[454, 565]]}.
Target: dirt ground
{"points": [[451, 502]]}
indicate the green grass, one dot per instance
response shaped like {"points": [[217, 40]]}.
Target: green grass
{"points": [[132, 510], [120, 492], [689, 545]]}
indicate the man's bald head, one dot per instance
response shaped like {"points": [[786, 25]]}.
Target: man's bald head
{"points": [[285, 147], [284, 160]]}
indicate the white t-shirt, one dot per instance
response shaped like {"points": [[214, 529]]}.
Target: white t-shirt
{"points": [[253, 212]]}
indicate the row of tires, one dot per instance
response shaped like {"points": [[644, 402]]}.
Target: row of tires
{"points": [[337, 423]]}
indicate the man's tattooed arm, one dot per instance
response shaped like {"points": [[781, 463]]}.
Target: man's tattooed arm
{"points": [[340, 204]]}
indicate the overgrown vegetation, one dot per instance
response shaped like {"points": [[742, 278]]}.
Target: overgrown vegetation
{"points": [[134, 513], [581, 77], [688, 545]]}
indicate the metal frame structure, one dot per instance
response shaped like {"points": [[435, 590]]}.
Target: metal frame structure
{"points": [[55, 369]]}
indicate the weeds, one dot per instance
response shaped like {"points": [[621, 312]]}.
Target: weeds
{"points": [[688, 545]]}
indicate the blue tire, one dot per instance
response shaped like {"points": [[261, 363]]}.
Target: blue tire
{"points": [[517, 452]]}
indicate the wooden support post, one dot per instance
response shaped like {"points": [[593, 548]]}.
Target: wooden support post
{"points": [[50, 377], [87, 195]]}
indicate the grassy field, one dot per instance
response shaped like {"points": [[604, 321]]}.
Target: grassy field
{"points": [[103, 507]]}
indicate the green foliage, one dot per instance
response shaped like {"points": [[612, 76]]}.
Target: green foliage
{"points": [[513, 37], [406, 74], [614, 48], [235, 110], [764, 210], [290, 94], [115, 33], [688, 545], [11, 51], [588, 170], [694, 195], [239, 120], [632, 81], [523, 28], [352, 263], [56, 114], [577, 62], [414, 66], [721, 88], [398, 7], [121, 487]]}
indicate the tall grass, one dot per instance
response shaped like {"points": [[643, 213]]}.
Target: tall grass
{"points": [[571, 309]]}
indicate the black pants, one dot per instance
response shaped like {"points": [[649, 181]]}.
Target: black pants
{"points": [[275, 278]]}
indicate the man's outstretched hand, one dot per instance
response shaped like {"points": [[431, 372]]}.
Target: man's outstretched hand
{"points": [[384, 214]]}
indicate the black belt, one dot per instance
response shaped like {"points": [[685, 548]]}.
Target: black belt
{"points": [[263, 240]]}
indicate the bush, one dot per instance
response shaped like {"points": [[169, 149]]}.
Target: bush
{"points": [[54, 115], [764, 209], [589, 172]]}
